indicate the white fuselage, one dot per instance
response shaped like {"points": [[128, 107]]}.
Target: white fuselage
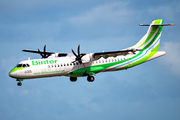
{"points": [[59, 66]]}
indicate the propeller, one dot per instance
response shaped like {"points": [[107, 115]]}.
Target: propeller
{"points": [[78, 56], [44, 54]]}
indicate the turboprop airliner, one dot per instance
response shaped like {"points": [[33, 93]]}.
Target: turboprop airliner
{"points": [[89, 64]]}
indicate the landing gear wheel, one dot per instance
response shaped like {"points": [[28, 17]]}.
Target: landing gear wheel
{"points": [[19, 83], [90, 78], [73, 79]]}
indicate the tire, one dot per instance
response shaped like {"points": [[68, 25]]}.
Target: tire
{"points": [[19, 83], [73, 79], [90, 78]]}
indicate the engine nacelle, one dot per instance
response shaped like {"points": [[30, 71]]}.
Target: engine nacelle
{"points": [[87, 58], [54, 55]]}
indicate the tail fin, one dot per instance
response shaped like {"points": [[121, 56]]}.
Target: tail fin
{"points": [[151, 39]]}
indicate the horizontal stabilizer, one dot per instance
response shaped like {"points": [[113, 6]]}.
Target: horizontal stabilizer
{"points": [[157, 24]]}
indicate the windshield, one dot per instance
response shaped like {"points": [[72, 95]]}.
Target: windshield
{"points": [[23, 65]]}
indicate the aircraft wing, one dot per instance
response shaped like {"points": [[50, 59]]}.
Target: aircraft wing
{"points": [[33, 51], [47, 53], [114, 53]]}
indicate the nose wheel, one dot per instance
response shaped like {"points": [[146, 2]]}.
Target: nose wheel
{"points": [[19, 83]]}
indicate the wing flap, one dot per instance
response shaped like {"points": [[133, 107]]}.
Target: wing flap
{"points": [[114, 53]]}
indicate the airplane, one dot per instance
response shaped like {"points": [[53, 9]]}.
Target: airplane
{"points": [[89, 64]]}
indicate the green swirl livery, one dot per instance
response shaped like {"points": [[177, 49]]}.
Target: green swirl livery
{"points": [[89, 64]]}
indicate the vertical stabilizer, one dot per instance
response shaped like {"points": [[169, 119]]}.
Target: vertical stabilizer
{"points": [[152, 38]]}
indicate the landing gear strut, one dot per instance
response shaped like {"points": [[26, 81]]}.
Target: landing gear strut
{"points": [[73, 79]]}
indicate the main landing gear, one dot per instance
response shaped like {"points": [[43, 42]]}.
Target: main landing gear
{"points": [[73, 79], [89, 78], [19, 83]]}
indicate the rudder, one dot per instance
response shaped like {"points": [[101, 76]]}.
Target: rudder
{"points": [[151, 39]]}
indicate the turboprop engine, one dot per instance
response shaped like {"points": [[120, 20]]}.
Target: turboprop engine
{"points": [[82, 57], [54, 55], [87, 58]]}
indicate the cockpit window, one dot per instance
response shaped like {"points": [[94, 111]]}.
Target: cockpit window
{"points": [[19, 65], [27, 65], [23, 65]]}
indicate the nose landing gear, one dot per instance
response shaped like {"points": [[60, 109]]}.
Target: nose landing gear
{"points": [[19, 83]]}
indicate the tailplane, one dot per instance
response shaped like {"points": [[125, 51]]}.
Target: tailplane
{"points": [[152, 38]]}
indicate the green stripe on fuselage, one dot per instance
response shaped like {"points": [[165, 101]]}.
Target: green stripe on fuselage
{"points": [[16, 69], [98, 68]]}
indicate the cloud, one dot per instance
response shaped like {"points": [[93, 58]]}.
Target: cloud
{"points": [[10, 5], [167, 11], [116, 12], [172, 59]]}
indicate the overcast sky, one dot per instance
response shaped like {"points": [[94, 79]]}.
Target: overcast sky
{"points": [[145, 92]]}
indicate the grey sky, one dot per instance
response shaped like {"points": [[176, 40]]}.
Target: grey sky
{"points": [[148, 91]]}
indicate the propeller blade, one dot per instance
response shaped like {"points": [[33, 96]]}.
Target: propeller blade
{"points": [[44, 48], [40, 53], [74, 53], [79, 51], [45, 55]]}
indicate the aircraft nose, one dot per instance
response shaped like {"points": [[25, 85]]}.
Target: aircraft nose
{"points": [[12, 73]]}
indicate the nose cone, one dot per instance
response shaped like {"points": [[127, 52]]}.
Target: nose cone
{"points": [[13, 73]]}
